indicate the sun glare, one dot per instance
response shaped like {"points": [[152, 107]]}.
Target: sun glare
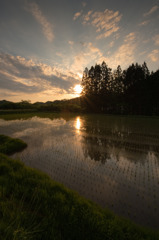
{"points": [[80, 75], [78, 89], [78, 123]]}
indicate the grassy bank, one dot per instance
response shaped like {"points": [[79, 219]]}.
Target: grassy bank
{"points": [[10, 145], [32, 206]]}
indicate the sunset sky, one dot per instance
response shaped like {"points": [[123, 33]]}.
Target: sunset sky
{"points": [[45, 45]]}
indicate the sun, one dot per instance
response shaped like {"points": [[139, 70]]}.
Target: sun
{"points": [[78, 89]]}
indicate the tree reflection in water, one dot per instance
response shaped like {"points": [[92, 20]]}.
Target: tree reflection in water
{"points": [[104, 141]]}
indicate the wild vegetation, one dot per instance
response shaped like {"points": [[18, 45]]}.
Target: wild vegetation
{"points": [[10, 145], [32, 206]]}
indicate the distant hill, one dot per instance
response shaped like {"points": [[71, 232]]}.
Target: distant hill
{"points": [[66, 105], [37, 103], [4, 102], [71, 101]]}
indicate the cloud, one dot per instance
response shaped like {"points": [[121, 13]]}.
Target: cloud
{"points": [[106, 23], [87, 17], [126, 52], [20, 75], [7, 94], [15, 86], [152, 10], [59, 54], [77, 15], [71, 42], [154, 55], [89, 54], [124, 55], [142, 53], [130, 37], [93, 49], [84, 4], [156, 39], [111, 44], [41, 19], [144, 23]]}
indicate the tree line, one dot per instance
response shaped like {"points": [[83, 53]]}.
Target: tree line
{"points": [[71, 105], [131, 91]]}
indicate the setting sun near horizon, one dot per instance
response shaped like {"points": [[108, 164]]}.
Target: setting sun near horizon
{"points": [[78, 89]]}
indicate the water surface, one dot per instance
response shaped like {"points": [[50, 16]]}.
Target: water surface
{"points": [[111, 160]]}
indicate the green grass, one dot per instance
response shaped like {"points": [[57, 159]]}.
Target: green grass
{"points": [[10, 145], [34, 207]]}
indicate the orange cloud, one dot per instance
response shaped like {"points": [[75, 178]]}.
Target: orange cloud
{"points": [[156, 39], [106, 23], [130, 37], [71, 42], [154, 55], [86, 17], [77, 15], [144, 23], [152, 10]]}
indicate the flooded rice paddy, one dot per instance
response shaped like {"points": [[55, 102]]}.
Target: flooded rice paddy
{"points": [[111, 160]]}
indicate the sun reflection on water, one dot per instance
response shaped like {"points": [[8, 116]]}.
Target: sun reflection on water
{"points": [[78, 124]]}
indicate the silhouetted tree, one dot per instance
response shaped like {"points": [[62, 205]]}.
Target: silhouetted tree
{"points": [[131, 91], [118, 80]]}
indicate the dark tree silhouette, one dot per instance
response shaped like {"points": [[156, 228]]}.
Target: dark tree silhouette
{"points": [[132, 91]]}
